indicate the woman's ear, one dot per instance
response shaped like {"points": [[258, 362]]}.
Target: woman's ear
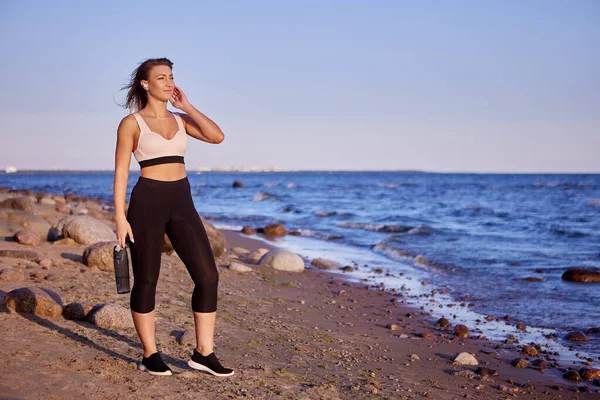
{"points": [[144, 84]]}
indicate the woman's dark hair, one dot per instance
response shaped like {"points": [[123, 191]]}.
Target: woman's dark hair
{"points": [[137, 97]]}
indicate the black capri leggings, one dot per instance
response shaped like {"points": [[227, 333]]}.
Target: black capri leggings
{"points": [[156, 208]]}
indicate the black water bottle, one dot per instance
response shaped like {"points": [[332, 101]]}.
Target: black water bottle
{"points": [[121, 269]]}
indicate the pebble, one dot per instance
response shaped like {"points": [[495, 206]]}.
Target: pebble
{"points": [[572, 376], [461, 331], [393, 327], [529, 351], [519, 363], [465, 374], [577, 336], [482, 371]]}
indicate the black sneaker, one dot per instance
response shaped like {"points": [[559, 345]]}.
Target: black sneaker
{"points": [[154, 365], [209, 364]]}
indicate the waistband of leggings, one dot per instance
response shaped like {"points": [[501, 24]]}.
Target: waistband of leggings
{"points": [[162, 184]]}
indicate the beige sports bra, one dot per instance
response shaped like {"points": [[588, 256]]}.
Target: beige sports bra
{"points": [[153, 149]]}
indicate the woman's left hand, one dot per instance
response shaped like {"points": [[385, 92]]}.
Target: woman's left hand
{"points": [[178, 98]]}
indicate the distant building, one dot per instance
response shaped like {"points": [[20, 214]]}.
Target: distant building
{"points": [[10, 170]]}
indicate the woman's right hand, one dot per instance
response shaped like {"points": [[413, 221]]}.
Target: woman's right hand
{"points": [[123, 229]]}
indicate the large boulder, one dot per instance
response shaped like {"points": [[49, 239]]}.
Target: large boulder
{"points": [[216, 238], [34, 300], [85, 230], [101, 256], [110, 316], [282, 260], [19, 203], [13, 221], [582, 275]]}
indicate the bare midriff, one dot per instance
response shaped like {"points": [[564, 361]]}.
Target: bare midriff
{"points": [[164, 172]]}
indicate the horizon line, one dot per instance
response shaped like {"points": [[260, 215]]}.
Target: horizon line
{"points": [[406, 171]]}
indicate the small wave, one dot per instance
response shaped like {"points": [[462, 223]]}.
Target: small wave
{"points": [[272, 184], [376, 227], [332, 213], [393, 252], [290, 208], [264, 196], [566, 232], [311, 233], [389, 185], [422, 230], [291, 185], [396, 253]]}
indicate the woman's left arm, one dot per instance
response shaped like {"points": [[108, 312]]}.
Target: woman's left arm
{"points": [[196, 124]]}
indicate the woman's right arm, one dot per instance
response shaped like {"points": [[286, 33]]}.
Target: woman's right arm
{"points": [[125, 138]]}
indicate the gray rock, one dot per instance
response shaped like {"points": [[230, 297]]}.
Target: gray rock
{"points": [[237, 267], [216, 238], [283, 260], [110, 316], [187, 338], [28, 237], [20, 203], [101, 256], [77, 310], [86, 230], [13, 221], [465, 358], [258, 254], [465, 374], [34, 300], [325, 264]]}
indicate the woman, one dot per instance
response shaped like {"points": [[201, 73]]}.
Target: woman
{"points": [[161, 203]]}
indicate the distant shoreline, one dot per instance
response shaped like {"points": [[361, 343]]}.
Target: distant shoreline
{"points": [[69, 171]]}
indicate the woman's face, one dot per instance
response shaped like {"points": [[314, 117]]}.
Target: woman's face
{"points": [[160, 82]]}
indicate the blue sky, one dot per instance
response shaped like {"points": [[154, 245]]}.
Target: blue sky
{"points": [[481, 86]]}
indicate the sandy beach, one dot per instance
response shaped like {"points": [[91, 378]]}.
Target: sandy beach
{"points": [[288, 335]]}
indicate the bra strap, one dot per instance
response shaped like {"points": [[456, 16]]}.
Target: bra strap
{"points": [[141, 123], [179, 121]]}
